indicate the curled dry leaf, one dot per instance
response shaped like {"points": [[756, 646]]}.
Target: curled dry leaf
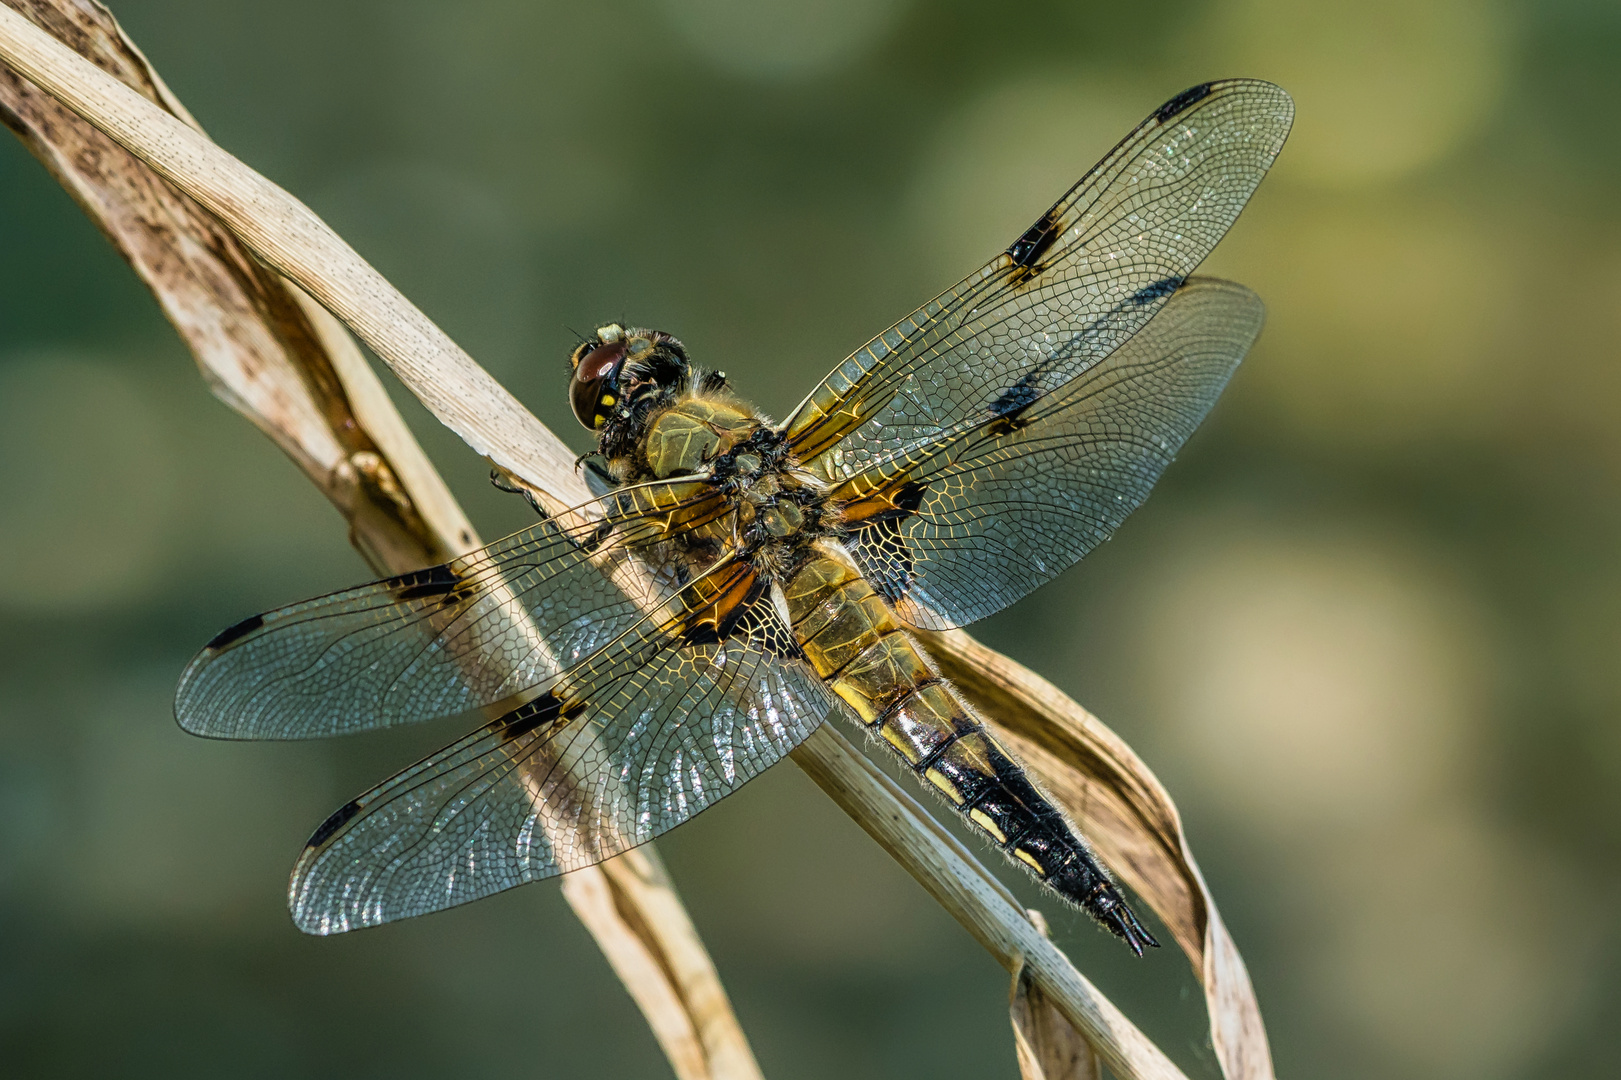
{"points": [[980, 902], [1111, 796], [1129, 819], [1048, 1046], [278, 358], [264, 348]]}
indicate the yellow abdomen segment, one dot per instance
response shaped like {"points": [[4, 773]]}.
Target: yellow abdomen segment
{"points": [[852, 638]]}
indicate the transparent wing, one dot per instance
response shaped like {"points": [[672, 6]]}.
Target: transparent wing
{"points": [[474, 633], [1085, 277], [955, 531], [633, 741]]}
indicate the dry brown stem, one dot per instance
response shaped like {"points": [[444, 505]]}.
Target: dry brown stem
{"points": [[977, 900], [1048, 1046], [1097, 779], [282, 361]]}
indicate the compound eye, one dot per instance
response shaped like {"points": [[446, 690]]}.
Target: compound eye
{"points": [[594, 388]]}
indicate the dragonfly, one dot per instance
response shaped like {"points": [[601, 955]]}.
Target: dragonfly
{"points": [[736, 581]]}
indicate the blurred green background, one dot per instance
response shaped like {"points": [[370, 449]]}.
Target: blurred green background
{"points": [[1366, 631]]}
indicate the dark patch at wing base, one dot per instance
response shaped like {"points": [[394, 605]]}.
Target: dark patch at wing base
{"points": [[743, 613], [434, 581], [546, 709], [879, 545]]}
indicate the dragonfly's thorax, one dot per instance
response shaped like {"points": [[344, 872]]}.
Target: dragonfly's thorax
{"points": [[777, 508]]}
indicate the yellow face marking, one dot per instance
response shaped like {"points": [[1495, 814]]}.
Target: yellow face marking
{"points": [[1029, 860], [983, 820], [598, 420], [939, 780], [608, 399]]}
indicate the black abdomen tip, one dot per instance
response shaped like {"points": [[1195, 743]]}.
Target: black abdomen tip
{"points": [[1086, 887]]}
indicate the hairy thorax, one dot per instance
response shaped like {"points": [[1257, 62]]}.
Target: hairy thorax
{"points": [[777, 509]]}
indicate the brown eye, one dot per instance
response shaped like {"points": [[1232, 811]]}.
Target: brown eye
{"points": [[596, 376], [601, 360]]}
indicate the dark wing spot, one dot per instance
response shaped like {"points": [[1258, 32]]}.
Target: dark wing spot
{"points": [[700, 634], [233, 633], [756, 593], [547, 709], [434, 581], [332, 824], [1014, 400], [1030, 247], [1149, 293], [1182, 101]]}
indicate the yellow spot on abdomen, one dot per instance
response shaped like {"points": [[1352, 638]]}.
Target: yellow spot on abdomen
{"points": [[941, 781], [983, 820], [1029, 860]]}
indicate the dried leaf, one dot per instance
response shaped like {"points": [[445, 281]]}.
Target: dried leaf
{"points": [[1048, 1046], [264, 348], [665, 966], [288, 237], [1130, 820], [977, 900], [282, 361]]}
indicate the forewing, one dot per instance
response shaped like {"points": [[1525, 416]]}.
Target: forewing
{"points": [[956, 531], [478, 632], [1085, 277], [633, 741]]}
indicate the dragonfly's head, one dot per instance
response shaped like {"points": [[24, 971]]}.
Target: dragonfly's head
{"points": [[617, 368]]}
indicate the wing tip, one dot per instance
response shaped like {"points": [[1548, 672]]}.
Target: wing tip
{"points": [[1179, 104]]}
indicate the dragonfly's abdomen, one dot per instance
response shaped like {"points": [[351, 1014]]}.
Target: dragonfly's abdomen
{"points": [[852, 638]]}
